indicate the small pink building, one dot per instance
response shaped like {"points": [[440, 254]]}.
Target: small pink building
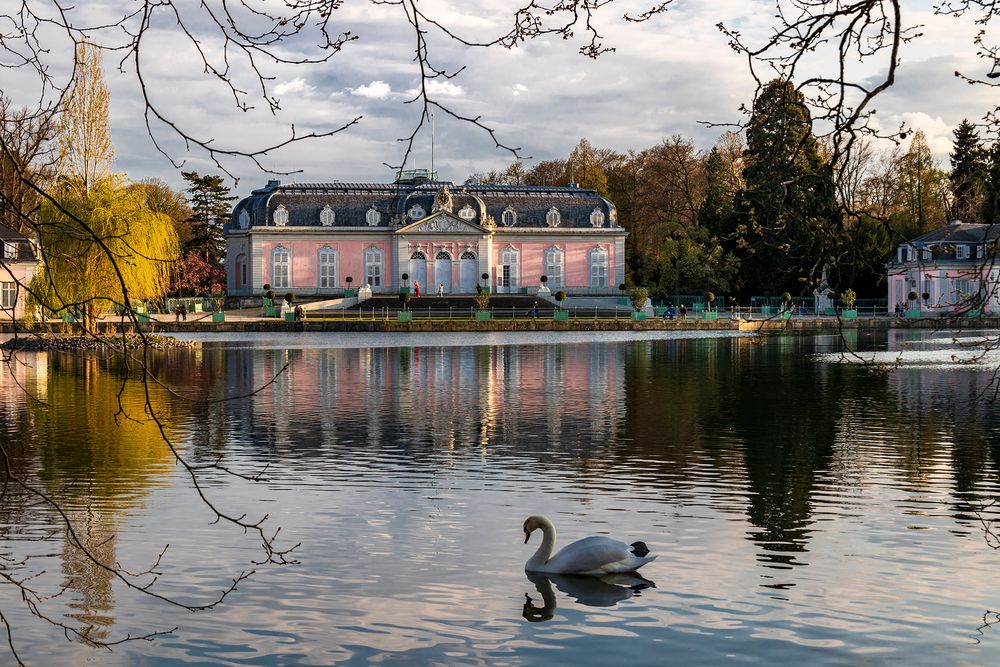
{"points": [[309, 238], [18, 264], [954, 265]]}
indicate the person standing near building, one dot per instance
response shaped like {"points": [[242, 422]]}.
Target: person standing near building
{"points": [[440, 289], [416, 289]]}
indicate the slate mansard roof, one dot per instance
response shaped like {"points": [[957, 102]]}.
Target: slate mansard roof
{"points": [[959, 232], [351, 202]]}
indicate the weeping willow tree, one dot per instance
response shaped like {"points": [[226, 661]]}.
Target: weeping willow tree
{"points": [[101, 248]]}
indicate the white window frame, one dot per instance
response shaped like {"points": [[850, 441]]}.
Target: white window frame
{"points": [[961, 251], [554, 267], [373, 267], [282, 279], [553, 218], [326, 267], [512, 257], [467, 255], [597, 263], [8, 295], [327, 216], [9, 250], [597, 218], [509, 217]]}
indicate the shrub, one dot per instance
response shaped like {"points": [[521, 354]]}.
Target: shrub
{"points": [[482, 301], [406, 276], [849, 297], [560, 297], [267, 287], [290, 298], [404, 297], [622, 287], [926, 297], [912, 296], [269, 294], [709, 297], [348, 280], [218, 297], [638, 296], [545, 279], [786, 297]]}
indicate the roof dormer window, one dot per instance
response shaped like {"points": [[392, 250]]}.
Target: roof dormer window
{"points": [[280, 215], [553, 218], [327, 216], [961, 251], [467, 213], [508, 217]]}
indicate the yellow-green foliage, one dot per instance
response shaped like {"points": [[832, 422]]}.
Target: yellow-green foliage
{"points": [[115, 248]]}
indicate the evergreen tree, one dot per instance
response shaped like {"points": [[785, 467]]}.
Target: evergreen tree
{"points": [[211, 206], [991, 195], [787, 214], [720, 193], [968, 172], [922, 190]]}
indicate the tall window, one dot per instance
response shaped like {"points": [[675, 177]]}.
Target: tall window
{"points": [[442, 255], [8, 294], [373, 267], [554, 267], [9, 250], [281, 268], [327, 267], [509, 268], [598, 267], [241, 270]]}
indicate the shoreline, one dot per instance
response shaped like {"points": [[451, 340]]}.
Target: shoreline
{"points": [[801, 324]]}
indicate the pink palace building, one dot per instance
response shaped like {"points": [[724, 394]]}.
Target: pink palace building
{"points": [[309, 238]]}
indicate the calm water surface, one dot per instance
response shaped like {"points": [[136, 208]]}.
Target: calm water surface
{"points": [[803, 509]]}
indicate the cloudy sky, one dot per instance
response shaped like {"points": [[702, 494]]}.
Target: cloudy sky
{"points": [[667, 76]]}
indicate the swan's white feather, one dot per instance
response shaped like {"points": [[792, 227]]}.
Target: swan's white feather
{"points": [[595, 555]]}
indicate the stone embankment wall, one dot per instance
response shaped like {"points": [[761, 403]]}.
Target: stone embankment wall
{"points": [[793, 325]]}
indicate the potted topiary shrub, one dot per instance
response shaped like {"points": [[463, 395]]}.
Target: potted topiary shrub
{"points": [[290, 314], [268, 299], [848, 298], [406, 280], [270, 310], [786, 309], [349, 292], [913, 312], [218, 301], [561, 315], [710, 314], [482, 304], [638, 296], [404, 315], [486, 282]]}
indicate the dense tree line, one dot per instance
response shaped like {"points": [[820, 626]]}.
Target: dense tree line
{"points": [[767, 210]]}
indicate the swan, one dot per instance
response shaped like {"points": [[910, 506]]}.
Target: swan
{"points": [[595, 555]]}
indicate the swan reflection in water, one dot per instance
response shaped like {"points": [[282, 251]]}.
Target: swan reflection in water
{"points": [[606, 591]]}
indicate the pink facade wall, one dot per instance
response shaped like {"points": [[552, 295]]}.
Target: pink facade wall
{"points": [[21, 273], [943, 297], [350, 262], [576, 260]]}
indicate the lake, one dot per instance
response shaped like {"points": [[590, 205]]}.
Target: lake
{"points": [[804, 507]]}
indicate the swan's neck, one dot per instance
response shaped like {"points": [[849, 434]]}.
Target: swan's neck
{"points": [[544, 551]]}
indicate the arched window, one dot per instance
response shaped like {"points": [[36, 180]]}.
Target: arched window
{"points": [[281, 215], [467, 213], [442, 255], [598, 267], [468, 254], [553, 218], [281, 268], [327, 267], [373, 267], [508, 217], [241, 270], [327, 216], [597, 218], [418, 255], [244, 219], [554, 267], [373, 217]]}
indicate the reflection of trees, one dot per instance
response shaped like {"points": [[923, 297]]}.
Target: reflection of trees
{"points": [[98, 455]]}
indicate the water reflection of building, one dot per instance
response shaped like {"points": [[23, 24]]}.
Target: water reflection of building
{"points": [[430, 396]]}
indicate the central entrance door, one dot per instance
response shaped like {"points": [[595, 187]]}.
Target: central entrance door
{"points": [[467, 273], [418, 271], [442, 272]]}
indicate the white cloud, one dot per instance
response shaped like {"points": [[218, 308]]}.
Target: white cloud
{"points": [[441, 88], [518, 89], [376, 90], [295, 86]]}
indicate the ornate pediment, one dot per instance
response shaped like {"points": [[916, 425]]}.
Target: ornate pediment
{"points": [[442, 223]]}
